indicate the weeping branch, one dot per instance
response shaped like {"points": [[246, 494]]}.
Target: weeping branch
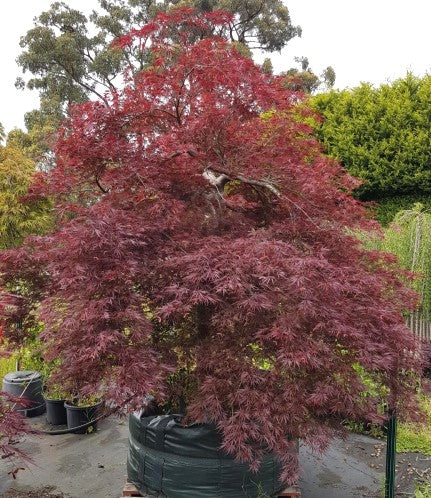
{"points": [[102, 189], [225, 177]]}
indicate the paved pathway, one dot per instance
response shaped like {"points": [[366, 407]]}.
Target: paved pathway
{"points": [[79, 465], [343, 471], [93, 466]]}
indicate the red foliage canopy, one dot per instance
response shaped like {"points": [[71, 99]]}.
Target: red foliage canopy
{"points": [[204, 232], [12, 427]]}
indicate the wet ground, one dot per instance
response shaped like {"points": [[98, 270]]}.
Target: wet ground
{"points": [[355, 468], [93, 465], [78, 465]]}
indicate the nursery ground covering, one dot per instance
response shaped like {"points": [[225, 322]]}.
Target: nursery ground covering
{"points": [[351, 468]]}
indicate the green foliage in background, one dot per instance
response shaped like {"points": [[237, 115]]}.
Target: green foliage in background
{"points": [[305, 79], [19, 218], [28, 356], [409, 238], [416, 437], [381, 135], [28, 359], [41, 125], [386, 208], [7, 365]]}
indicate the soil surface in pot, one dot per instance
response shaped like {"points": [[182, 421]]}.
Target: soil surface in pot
{"points": [[80, 415]]}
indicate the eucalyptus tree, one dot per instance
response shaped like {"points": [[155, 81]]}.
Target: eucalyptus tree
{"points": [[305, 79], [71, 57]]}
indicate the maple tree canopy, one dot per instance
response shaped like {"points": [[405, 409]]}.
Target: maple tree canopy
{"points": [[205, 254]]}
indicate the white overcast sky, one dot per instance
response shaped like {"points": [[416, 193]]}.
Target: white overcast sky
{"points": [[364, 40]]}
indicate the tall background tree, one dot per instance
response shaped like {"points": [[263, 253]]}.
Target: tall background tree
{"points": [[41, 131], [70, 57], [304, 78]]}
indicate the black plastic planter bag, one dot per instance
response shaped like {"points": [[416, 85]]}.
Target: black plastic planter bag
{"points": [[187, 462]]}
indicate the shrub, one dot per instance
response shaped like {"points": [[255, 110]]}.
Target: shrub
{"points": [[381, 135]]}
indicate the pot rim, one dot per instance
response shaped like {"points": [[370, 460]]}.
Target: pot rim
{"points": [[69, 406], [53, 400]]}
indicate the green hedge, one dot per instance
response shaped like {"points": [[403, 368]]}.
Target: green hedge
{"points": [[386, 208], [381, 135]]}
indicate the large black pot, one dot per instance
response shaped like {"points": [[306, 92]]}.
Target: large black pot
{"points": [[80, 415], [184, 462], [28, 385], [56, 411]]}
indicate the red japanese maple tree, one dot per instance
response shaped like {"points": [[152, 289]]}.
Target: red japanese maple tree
{"points": [[13, 427], [205, 254], [12, 424]]}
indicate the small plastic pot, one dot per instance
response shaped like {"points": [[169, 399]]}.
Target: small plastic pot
{"points": [[56, 411], [80, 415]]}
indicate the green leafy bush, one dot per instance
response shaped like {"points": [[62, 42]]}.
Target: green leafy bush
{"points": [[414, 437], [386, 208], [381, 135], [7, 365]]}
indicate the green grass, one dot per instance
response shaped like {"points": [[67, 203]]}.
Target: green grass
{"points": [[416, 438], [411, 437], [423, 490], [413, 440]]}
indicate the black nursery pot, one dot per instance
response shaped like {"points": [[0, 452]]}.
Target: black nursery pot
{"points": [[28, 385], [56, 411], [80, 415]]}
